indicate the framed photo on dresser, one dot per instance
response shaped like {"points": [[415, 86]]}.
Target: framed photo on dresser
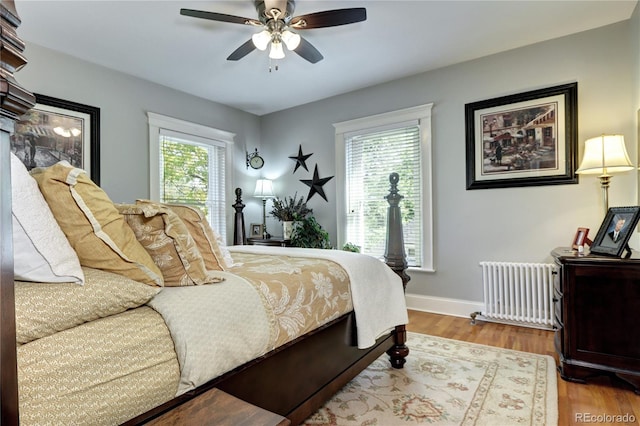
{"points": [[615, 230], [580, 239], [256, 230]]}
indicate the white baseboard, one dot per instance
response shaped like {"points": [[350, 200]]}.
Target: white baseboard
{"points": [[444, 306]]}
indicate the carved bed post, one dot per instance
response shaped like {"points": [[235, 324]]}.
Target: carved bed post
{"points": [[395, 257], [239, 235], [14, 101]]}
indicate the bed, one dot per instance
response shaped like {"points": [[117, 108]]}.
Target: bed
{"points": [[125, 340]]}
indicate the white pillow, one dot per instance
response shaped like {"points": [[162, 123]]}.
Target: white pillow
{"points": [[41, 251]]}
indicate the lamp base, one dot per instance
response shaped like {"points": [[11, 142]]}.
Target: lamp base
{"points": [[265, 234], [605, 182]]}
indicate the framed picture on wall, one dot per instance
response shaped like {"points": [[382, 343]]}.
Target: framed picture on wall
{"points": [[615, 230], [57, 129], [526, 139]]}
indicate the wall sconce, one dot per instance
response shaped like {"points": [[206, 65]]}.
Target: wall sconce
{"points": [[264, 190], [604, 155]]}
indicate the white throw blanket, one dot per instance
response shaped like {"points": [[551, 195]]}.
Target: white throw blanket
{"points": [[376, 291], [214, 327]]}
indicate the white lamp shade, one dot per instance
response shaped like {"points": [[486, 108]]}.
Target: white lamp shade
{"points": [[261, 40], [291, 40], [605, 154], [264, 189], [276, 52]]}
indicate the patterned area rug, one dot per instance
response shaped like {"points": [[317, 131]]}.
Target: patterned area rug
{"points": [[449, 382]]}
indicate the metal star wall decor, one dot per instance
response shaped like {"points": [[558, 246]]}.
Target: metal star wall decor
{"points": [[315, 185], [301, 159]]}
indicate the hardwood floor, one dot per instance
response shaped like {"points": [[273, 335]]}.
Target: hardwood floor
{"points": [[577, 403]]}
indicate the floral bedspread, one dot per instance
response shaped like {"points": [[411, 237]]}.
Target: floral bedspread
{"points": [[303, 293]]}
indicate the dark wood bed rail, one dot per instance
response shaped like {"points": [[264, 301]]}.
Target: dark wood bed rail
{"points": [[14, 101]]}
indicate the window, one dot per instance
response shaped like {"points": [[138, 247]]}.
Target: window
{"points": [[368, 150], [190, 164]]}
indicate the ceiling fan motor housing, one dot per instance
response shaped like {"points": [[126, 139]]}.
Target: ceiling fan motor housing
{"points": [[263, 12]]}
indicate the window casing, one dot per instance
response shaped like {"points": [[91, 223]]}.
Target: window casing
{"points": [[191, 164], [368, 150]]}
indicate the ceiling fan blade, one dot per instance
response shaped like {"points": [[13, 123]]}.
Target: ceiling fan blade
{"points": [[218, 16], [242, 51], [308, 51], [329, 18]]}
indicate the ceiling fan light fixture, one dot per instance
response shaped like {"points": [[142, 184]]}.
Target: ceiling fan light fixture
{"points": [[291, 40], [261, 40], [276, 52]]}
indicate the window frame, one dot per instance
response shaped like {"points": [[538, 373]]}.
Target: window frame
{"points": [[421, 114], [201, 134]]}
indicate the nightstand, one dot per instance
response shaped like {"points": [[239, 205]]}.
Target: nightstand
{"points": [[596, 301], [273, 241]]}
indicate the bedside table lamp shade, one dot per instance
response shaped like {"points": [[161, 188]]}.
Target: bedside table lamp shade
{"points": [[604, 155], [264, 190]]}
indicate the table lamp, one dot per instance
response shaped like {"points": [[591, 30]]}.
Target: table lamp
{"points": [[264, 190], [604, 155]]}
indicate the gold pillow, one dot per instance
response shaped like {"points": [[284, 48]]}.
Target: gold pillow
{"points": [[205, 237], [166, 238], [92, 224]]}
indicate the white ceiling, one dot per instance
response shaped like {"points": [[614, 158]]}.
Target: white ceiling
{"points": [[151, 40]]}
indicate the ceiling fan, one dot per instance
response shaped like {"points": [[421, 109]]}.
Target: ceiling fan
{"points": [[276, 19]]}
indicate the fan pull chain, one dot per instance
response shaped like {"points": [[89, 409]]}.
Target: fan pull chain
{"points": [[270, 65]]}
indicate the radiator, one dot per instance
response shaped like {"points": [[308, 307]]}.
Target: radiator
{"points": [[518, 293]]}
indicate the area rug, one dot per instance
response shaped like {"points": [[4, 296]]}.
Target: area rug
{"points": [[448, 382]]}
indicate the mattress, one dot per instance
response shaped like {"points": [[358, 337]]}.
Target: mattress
{"points": [[102, 372], [263, 302]]}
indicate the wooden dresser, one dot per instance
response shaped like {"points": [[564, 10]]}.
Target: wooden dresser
{"points": [[597, 300]]}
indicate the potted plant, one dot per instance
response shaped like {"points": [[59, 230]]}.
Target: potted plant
{"points": [[289, 209], [308, 233], [351, 247]]}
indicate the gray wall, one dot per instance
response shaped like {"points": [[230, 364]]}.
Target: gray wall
{"points": [[124, 101], [510, 224]]}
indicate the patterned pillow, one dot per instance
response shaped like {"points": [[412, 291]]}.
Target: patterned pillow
{"points": [[164, 235], [45, 309], [92, 224], [214, 252]]}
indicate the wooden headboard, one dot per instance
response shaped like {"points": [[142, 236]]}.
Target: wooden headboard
{"points": [[14, 101]]}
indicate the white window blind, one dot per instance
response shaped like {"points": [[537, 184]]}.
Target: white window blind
{"points": [[370, 158], [191, 164], [368, 150], [192, 171]]}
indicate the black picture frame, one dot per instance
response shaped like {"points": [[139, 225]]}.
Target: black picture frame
{"points": [[526, 139], [57, 129], [604, 243]]}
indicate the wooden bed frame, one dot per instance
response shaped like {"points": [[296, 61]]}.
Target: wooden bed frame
{"points": [[328, 356]]}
